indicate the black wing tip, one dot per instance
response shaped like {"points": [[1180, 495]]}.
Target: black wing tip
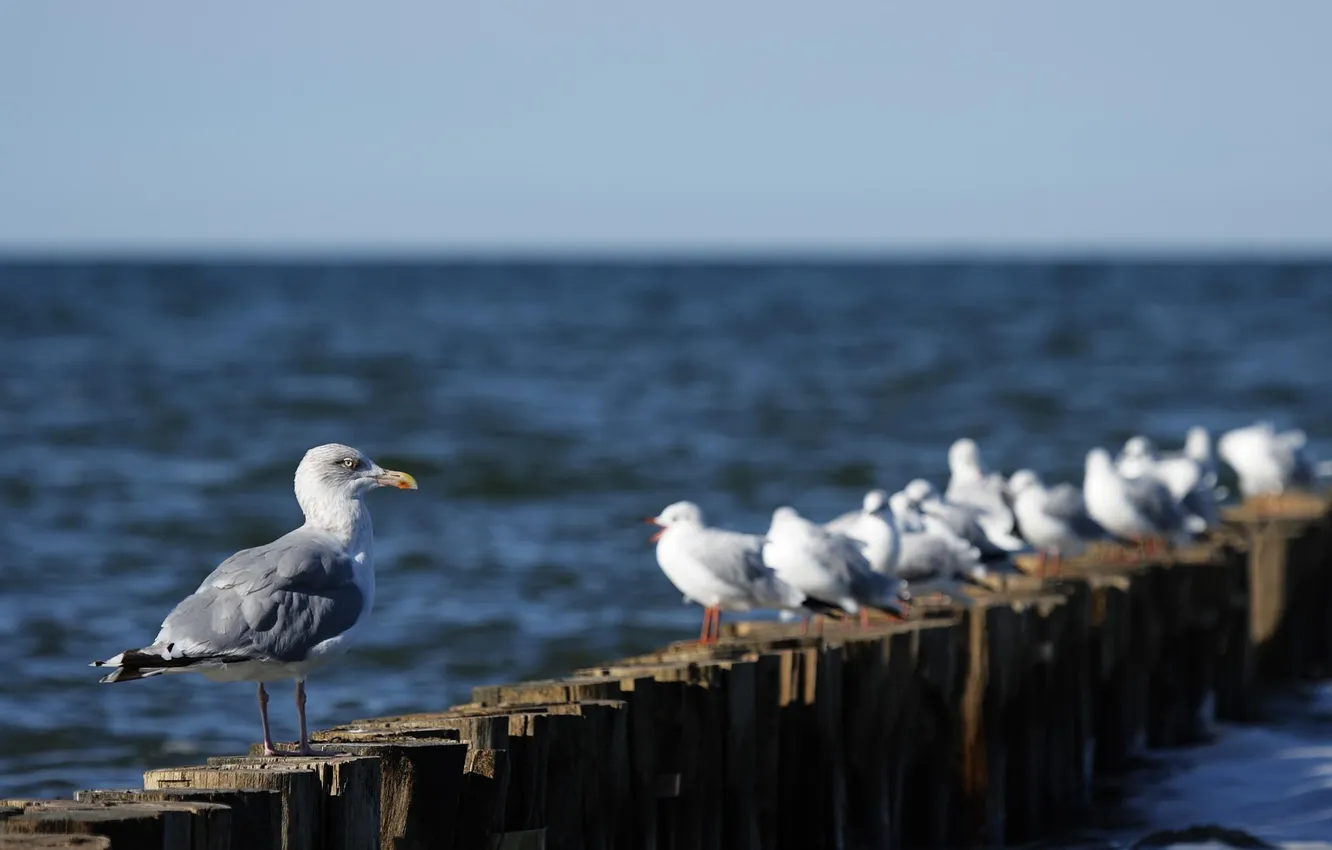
{"points": [[819, 606]]}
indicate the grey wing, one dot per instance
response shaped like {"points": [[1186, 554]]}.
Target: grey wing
{"points": [[273, 602], [840, 554], [852, 550], [986, 495], [844, 524], [958, 517], [1064, 502], [735, 558], [1153, 501], [925, 555]]}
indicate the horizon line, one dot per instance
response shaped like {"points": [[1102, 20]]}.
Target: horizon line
{"points": [[647, 254]]}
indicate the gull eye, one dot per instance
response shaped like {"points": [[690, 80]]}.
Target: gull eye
{"points": [[349, 462]]}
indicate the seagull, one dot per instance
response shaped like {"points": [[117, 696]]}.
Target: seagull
{"points": [[1198, 447], [1191, 477], [281, 610], [1133, 508], [969, 485], [1053, 520], [829, 567], [873, 527], [1137, 458], [1182, 474], [961, 520], [1268, 463], [933, 556], [719, 569]]}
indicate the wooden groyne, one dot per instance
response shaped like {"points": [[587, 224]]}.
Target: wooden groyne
{"points": [[971, 726]]}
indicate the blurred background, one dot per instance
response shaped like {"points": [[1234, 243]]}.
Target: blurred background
{"points": [[567, 263]]}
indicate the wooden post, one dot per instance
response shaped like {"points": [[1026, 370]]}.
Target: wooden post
{"points": [[348, 813], [326, 803], [152, 825], [54, 842], [420, 786], [255, 816], [484, 789], [974, 724]]}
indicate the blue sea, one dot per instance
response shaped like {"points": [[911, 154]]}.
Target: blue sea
{"points": [[152, 414]]}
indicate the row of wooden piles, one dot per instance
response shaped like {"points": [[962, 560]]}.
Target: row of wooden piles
{"points": [[968, 726]]}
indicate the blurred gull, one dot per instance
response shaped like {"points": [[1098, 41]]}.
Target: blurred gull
{"points": [[1268, 463], [1190, 476], [969, 485], [1137, 458], [1133, 508], [1185, 475], [936, 558], [828, 566], [873, 527], [280, 610], [718, 569], [962, 520], [1054, 520]]}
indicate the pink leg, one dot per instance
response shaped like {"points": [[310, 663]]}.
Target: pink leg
{"points": [[707, 625], [716, 624], [864, 618], [269, 749], [303, 748]]}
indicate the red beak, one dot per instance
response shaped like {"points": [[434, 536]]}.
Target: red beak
{"points": [[651, 520]]}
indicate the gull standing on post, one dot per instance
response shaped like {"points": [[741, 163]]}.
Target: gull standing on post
{"points": [[962, 520], [718, 569], [280, 610], [1191, 477], [1134, 508], [1268, 463], [874, 528], [970, 486], [829, 567], [1054, 520], [933, 557], [1137, 458]]}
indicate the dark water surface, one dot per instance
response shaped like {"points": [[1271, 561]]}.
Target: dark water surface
{"points": [[151, 417]]}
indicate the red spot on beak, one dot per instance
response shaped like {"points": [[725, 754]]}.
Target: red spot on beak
{"points": [[654, 538]]}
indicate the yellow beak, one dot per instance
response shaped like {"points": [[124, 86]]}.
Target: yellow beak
{"points": [[394, 478]]}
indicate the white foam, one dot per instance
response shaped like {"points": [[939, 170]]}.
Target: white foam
{"points": [[1274, 782]]}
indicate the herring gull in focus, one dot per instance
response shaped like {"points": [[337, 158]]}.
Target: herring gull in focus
{"points": [[280, 610]]}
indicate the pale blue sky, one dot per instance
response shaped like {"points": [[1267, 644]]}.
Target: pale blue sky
{"points": [[600, 125]]}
